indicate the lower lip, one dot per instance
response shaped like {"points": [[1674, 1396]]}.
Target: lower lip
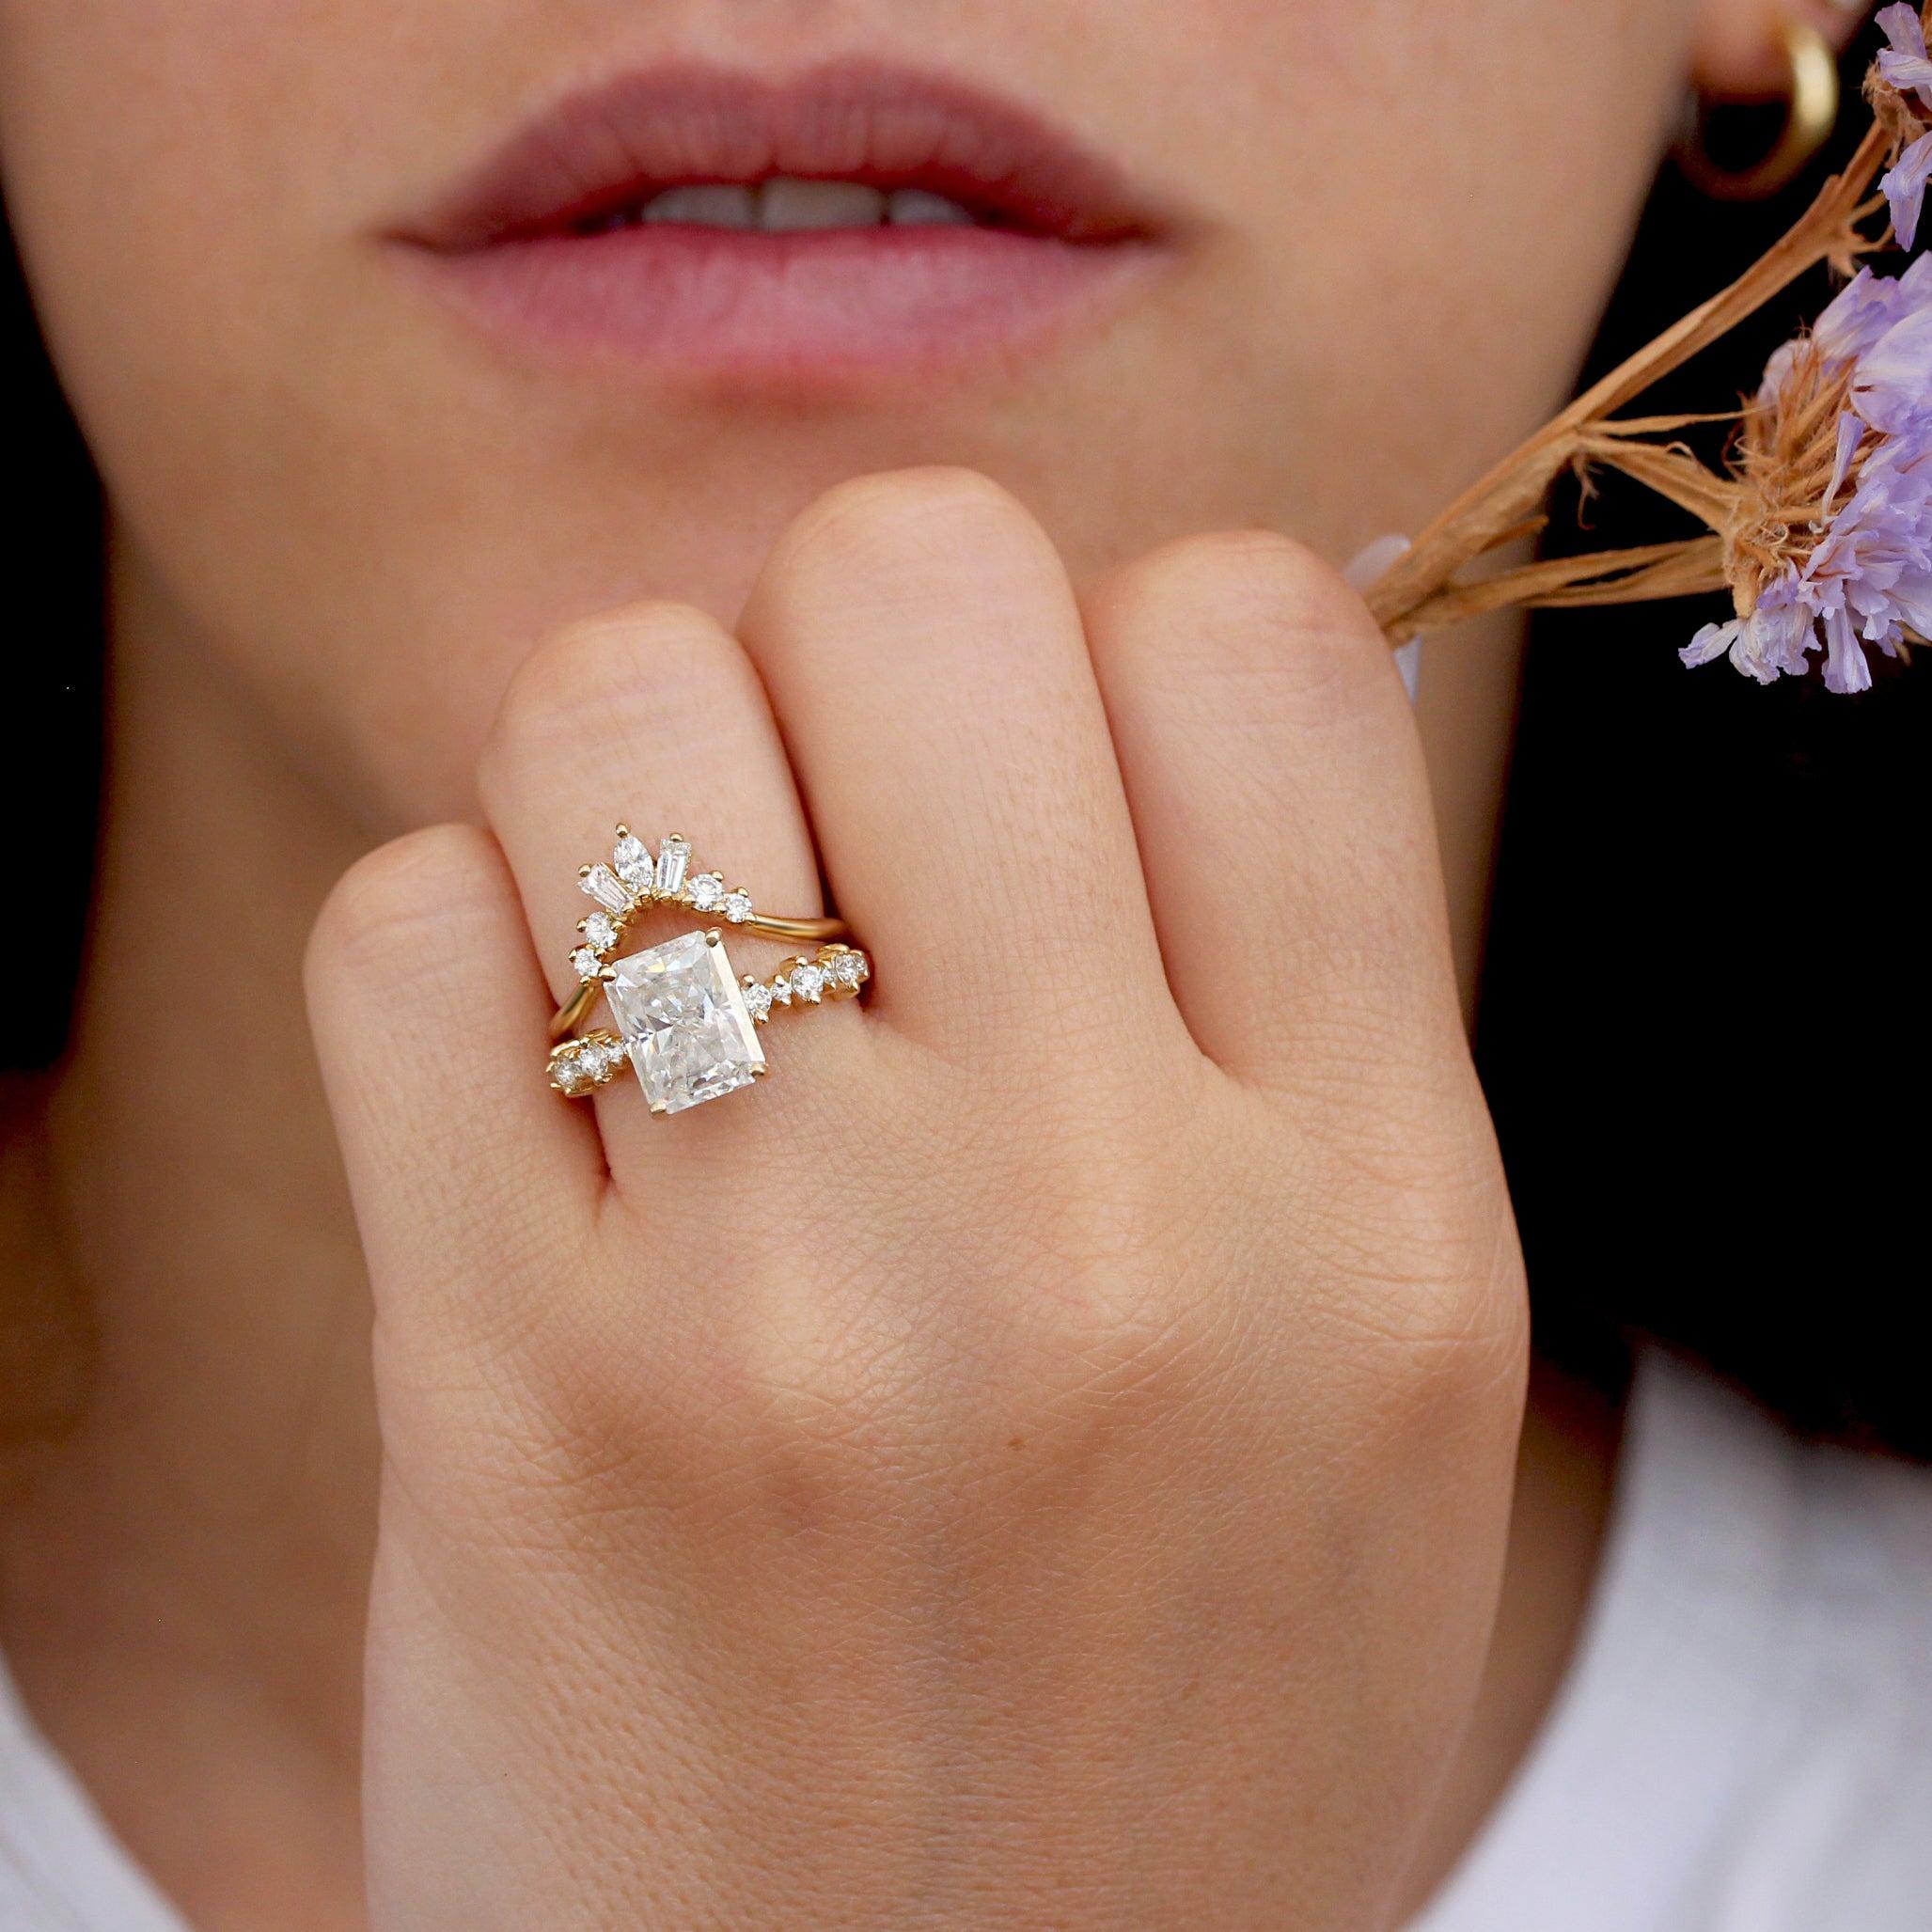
{"points": [[827, 307]]}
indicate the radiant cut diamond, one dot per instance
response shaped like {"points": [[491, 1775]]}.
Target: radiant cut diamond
{"points": [[684, 1022], [673, 856]]}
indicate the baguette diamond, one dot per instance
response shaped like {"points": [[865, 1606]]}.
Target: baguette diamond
{"points": [[684, 1024], [673, 856], [606, 889]]}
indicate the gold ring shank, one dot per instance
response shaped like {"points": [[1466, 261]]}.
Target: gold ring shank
{"points": [[570, 1015]]}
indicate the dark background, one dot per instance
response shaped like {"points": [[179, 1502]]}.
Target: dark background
{"points": [[1702, 1030], [1703, 1033]]}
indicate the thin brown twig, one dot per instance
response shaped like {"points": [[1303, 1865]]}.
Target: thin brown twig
{"points": [[1418, 592]]}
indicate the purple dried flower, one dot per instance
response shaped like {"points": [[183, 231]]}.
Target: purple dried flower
{"points": [[1864, 576], [1870, 577], [1767, 643], [1904, 189], [1903, 65]]}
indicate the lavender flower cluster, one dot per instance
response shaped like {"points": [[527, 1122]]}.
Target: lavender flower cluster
{"points": [[1905, 65], [1869, 577], [1867, 580]]}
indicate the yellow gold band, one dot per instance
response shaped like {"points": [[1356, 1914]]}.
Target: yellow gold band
{"points": [[686, 1020], [570, 1015]]}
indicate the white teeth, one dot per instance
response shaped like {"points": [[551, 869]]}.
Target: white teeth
{"points": [[711, 205], [914, 208], [784, 205], [787, 207]]}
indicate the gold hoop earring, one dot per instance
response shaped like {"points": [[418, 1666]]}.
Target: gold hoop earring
{"points": [[1811, 113]]}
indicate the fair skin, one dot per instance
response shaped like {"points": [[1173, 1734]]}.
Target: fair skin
{"points": [[1048, 1455]]}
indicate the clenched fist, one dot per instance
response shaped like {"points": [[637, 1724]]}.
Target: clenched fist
{"points": [[1042, 1457]]}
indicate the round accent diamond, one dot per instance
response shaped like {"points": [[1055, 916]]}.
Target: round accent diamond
{"points": [[585, 963], [707, 891], [758, 999], [600, 929], [738, 908], [841, 969], [634, 864], [809, 980], [569, 1072]]}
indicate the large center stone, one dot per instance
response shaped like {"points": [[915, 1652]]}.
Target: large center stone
{"points": [[682, 1015]]}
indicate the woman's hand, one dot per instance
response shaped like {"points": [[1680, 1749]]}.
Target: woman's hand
{"points": [[1041, 1459]]}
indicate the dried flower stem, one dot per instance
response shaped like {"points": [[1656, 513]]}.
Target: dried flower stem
{"points": [[1421, 591]]}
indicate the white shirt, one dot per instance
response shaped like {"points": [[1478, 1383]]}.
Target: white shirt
{"points": [[1744, 1742]]}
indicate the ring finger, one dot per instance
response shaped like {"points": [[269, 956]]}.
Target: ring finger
{"points": [[653, 717]]}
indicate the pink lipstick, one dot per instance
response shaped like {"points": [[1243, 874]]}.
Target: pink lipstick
{"points": [[858, 221]]}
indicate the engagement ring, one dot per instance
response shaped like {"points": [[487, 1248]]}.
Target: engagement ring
{"points": [[685, 1021]]}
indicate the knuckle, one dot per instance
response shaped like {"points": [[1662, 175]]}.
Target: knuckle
{"points": [[1434, 1301], [1255, 606], [876, 524], [389, 918], [579, 684], [1461, 1353]]}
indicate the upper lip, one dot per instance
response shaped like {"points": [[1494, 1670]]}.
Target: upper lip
{"points": [[608, 147]]}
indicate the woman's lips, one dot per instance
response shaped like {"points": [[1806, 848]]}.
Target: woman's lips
{"points": [[994, 230]]}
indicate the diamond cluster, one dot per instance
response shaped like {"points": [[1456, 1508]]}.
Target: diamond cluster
{"points": [[636, 878], [681, 1024], [837, 973], [579, 1065]]}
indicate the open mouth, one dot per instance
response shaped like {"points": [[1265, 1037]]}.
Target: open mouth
{"points": [[790, 205], [860, 219]]}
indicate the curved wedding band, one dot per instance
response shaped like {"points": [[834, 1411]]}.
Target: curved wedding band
{"points": [[685, 1022]]}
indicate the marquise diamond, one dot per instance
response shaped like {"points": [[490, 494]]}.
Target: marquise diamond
{"points": [[632, 863]]}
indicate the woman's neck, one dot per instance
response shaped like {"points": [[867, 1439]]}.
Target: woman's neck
{"points": [[184, 1559]]}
